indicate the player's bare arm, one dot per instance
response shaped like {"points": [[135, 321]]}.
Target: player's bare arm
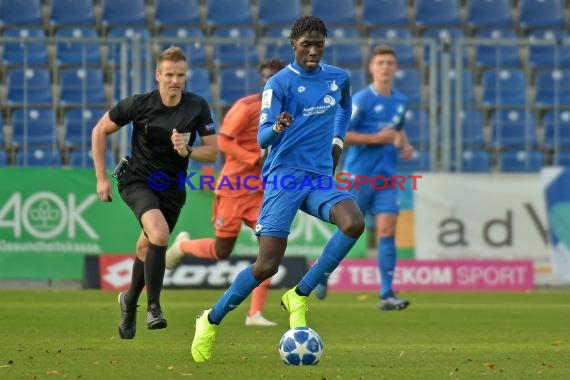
{"points": [[402, 143], [104, 128], [384, 136], [208, 151]]}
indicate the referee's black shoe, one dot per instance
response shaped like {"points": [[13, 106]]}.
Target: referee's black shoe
{"points": [[154, 318], [128, 324]]}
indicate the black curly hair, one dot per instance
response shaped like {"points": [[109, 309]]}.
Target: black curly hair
{"points": [[306, 24]]}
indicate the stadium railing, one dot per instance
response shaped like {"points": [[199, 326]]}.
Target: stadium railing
{"points": [[128, 67]]}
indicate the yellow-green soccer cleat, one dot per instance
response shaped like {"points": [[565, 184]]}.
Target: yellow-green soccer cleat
{"points": [[204, 338], [296, 305]]}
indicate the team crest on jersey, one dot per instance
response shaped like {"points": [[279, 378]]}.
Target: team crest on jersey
{"points": [[301, 89], [332, 85], [378, 108], [266, 98]]}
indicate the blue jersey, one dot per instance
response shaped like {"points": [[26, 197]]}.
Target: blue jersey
{"points": [[372, 112], [312, 98]]}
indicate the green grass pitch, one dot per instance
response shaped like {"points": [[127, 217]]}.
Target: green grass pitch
{"points": [[73, 335]]}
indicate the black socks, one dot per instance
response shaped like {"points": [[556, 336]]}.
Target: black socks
{"points": [[154, 267]]}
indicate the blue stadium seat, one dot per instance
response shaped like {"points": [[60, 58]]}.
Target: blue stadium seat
{"points": [[235, 52], [71, 12], [278, 12], [78, 124], [541, 14], [358, 79], [467, 87], [20, 12], [3, 158], [552, 88], [504, 88], [141, 33], [120, 13], [78, 52], [396, 38], [343, 54], [440, 35], [228, 13], [521, 161], [133, 83], [555, 55], [561, 159], [278, 46], [190, 40], [489, 13], [84, 159], [198, 81], [409, 82], [557, 130], [37, 124], [436, 12], [236, 83], [334, 12], [473, 161], [22, 51], [472, 136], [82, 87], [38, 157], [417, 128], [377, 13], [421, 162], [176, 12], [30, 86], [497, 55], [513, 130]]}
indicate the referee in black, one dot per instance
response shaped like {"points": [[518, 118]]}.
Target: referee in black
{"points": [[165, 123]]}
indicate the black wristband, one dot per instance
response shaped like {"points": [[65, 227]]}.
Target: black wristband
{"points": [[189, 149]]}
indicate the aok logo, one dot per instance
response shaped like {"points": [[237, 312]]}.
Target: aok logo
{"points": [[45, 215]]}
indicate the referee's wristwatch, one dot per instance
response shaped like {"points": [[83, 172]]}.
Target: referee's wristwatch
{"points": [[189, 149]]}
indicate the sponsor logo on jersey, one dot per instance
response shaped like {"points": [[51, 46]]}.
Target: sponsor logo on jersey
{"points": [[332, 85], [266, 98]]}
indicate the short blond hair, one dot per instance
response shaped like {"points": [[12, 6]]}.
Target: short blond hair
{"points": [[173, 53], [383, 50]]}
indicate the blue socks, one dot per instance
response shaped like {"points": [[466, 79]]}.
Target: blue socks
{"points": [[335, 250], [242, 286], [386, 264]]}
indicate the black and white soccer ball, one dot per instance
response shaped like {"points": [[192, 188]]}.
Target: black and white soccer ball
{"points": [[301, 346]]}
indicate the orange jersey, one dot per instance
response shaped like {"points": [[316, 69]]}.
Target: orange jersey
{"points": [[237, 138]]}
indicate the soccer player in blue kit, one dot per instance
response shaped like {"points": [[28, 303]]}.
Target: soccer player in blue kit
{"points": [[305, 112], [376, 137]]}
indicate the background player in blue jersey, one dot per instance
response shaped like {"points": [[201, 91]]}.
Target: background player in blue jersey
{"points": [[305, 112], [377, 137]]}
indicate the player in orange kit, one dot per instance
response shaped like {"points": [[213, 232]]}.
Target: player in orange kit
{"points": [[235, 203]]}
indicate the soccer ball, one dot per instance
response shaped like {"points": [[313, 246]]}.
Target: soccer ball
{"points": [[301, 346]]}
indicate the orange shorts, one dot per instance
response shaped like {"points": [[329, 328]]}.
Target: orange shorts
{"points": [[229, 212]]}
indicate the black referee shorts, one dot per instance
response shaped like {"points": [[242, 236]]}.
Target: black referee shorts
{"points": [[140, 198]]}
